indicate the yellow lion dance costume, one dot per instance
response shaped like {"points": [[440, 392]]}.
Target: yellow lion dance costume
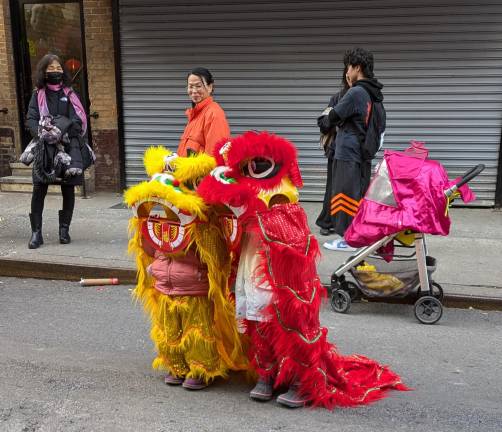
{"points": [[183, 268]]}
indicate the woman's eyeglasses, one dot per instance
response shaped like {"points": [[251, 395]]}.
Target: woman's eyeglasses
{"points": [[196, 86]]}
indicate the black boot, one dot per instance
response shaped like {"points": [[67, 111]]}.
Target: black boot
{"points": [[36, 231], [64, 227]]}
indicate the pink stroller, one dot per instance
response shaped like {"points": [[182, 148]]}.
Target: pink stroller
{"points": [[408, 198]]}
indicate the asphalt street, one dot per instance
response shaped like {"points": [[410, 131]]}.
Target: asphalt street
{"points": [[78, 359]]}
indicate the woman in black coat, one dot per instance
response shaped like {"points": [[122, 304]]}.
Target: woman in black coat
{"points": [[54, 103]]}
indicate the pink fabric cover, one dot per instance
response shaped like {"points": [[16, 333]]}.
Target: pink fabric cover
{"points": [[418, 185], [180, 276], [466, 193]]}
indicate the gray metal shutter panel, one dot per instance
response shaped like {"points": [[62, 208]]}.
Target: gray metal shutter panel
{"points": [[277, 64]]}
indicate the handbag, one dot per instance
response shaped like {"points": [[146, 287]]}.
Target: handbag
{"points": [[88, 156], [326, 139], [29, 152]]}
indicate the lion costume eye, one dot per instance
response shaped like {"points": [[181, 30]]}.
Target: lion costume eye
{"points": [[260, 168]]}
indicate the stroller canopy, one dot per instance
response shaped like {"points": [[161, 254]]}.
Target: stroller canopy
{"points": [[407, 193]]}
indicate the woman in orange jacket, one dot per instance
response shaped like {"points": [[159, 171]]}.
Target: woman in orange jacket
{"points": [[207, 124]]}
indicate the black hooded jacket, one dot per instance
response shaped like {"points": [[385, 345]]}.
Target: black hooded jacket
{"points": [[351, 115], [373, 87]]}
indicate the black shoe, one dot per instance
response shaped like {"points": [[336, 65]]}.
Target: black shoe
{"points": [[64, 234], [36, 239], [64, 228]]}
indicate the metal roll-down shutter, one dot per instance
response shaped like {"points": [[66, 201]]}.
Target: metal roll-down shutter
{"points": [[277, 63]]}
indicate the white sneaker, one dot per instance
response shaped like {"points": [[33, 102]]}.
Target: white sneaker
{"points": [[338, 245]]}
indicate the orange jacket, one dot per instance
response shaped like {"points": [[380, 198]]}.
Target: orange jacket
{"points": [[207, 125]]}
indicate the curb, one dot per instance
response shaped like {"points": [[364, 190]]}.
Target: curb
{"points": [[74, 272], [449, 300]]}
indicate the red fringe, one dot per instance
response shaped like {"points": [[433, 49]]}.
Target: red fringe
{"points": [[299, 344], [261, 144]]}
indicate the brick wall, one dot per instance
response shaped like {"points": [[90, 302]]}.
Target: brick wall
{"points": [[101, 77], [10, 146], [7, 152]]}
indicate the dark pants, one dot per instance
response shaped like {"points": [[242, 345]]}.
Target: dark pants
{"points": [[346, 185], [38, 198], [324, 219]]}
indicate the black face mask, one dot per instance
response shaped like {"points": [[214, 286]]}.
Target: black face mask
{"points": [[54, 77]]}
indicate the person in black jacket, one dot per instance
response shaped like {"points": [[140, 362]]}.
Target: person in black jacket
{"points": [[324, 220], [350, 115], [57, 121]]}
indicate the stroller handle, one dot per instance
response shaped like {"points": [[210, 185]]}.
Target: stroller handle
{"points": [[467, 177]]}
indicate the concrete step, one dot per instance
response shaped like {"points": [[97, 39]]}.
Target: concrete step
{"points": [[24, 184], [20, 169]]}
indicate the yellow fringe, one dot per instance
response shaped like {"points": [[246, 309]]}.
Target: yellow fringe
{"points": [[195, 336], [213, 252], [182, 337], [162, 345], [154, 159], [193, 167], [173, 305], [198, 371], [209, 244], [154, 190]]}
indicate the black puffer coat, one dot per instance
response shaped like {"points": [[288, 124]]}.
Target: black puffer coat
{"points": [[59, 105]]}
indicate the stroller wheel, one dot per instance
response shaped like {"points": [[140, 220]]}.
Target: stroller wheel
{"points": [[340, 301], [428, 310], [437, 291]]}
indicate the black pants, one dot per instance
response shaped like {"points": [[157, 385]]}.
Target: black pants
{"points": [[40, 191], [324, 219], [346, 185]]}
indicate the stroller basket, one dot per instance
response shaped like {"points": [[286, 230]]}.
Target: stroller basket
{"points": [[377, 278]]}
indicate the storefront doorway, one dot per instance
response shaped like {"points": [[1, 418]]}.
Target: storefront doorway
{"points": [[47, 27]]}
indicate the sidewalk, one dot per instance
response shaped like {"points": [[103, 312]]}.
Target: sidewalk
{"points": [[469, 260]]}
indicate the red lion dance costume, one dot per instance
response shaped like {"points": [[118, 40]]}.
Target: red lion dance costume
{"points": [[257, 179]]}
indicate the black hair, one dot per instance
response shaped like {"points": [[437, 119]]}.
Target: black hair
{"points": [[360, 57], [344, 85], [203, 74], [40, 80]]}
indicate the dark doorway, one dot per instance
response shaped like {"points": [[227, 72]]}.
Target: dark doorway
{"points": [[41, 27]]}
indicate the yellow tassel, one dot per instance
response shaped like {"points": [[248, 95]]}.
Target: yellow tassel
{"points": [[154, 159], [193, 167], [195, 337], [213, 252], [198, 371]]}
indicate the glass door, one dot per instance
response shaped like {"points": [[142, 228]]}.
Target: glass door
{"points": [[49, 27]]}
